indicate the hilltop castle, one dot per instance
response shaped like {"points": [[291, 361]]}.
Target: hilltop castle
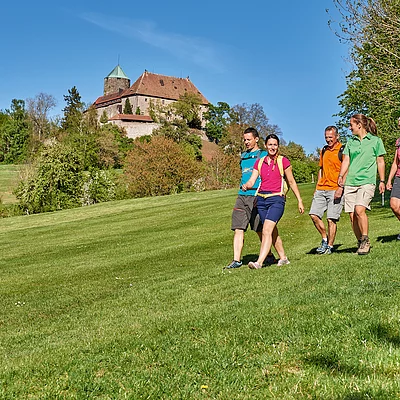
{"points": [[147, 88]]}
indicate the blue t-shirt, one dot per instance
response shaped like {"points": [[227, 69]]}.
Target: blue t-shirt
{"points": [[247, 161]]}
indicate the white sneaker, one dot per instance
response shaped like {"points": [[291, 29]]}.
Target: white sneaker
{"points": [[285, 261]]}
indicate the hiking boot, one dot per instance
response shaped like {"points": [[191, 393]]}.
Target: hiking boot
{"points": [[365, 246], [254, 265], [322, 247], [398, 237], [282, 262], [329, 250], [234, 264], [270, 259]]}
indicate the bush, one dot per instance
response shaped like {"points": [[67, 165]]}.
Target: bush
{"points": [[53, 182], [223, 171], [160, 167], [303, 171], [99, 187]]}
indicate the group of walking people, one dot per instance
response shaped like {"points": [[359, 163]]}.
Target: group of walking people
{"points": [[346, 178]]}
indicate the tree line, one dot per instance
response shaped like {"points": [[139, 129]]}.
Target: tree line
{"points": [[76, 160]]}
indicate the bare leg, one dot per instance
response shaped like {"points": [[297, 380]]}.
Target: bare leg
{"points": [[361, 220], [276, 242], [395, 206], [266, 243], [238, 240], [319, 224], [354, 225], [332, 227]]}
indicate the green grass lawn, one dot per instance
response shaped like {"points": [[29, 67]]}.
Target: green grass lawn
{"points": [[128, 300], [9, 175]]}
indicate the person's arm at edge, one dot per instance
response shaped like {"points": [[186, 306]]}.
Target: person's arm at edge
{"points": [[250, 183], [293, 186], [343, 170], [380, 161], [392, 173]]}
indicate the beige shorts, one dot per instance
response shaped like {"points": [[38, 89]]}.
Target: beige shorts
{"points": [[358, 196]]}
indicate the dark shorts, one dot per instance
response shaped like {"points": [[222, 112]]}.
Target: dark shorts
{"points": [[395, 192], [245, 213], [271, 208]]}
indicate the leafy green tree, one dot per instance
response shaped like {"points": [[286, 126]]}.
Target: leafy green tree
{"points": [[14, 134], [53, 182], [128, 107], [371, 28], [137, 110], [293, 151], [73, 111], [187, 108], [218, 119]]}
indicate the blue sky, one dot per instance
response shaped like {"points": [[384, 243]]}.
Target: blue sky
{"points": [[281, 55]]}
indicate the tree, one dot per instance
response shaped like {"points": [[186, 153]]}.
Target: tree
{"points": [[160, 167], [38, 109], [253, 115], [14, 133], [104, 117], [54, 181], [73, 111], [128, 107], [187, 108], [218, 118], [137, 110], [293, 151], [372, 29]]}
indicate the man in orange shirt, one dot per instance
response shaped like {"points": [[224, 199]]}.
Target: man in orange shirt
{"points": [[328, 195]]}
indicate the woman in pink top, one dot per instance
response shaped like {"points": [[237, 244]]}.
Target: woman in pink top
{"points": [[395, 187], [270, 196]]}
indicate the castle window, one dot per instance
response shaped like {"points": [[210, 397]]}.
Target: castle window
{"points": [[162, 82]]}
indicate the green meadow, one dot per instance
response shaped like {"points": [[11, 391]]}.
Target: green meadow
{"points": [[128, 300]]}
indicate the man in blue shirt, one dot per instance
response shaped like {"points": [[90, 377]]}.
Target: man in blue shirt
{"points": [[244, 211]]}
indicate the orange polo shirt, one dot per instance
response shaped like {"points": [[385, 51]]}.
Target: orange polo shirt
{"points": [[330, 168]]}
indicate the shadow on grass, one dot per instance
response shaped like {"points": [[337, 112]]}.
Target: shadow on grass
{"points": [[385, 239], [386, 333], [335, 250], [249, 257], [368, 395]]}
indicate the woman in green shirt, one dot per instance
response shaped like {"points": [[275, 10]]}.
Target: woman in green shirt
{"points": [[362, 159]]}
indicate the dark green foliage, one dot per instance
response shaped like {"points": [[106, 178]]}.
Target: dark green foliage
{"points": [[73, 111], [128, 107], [14, 134], [218, 119], [104, 117], [137, 110], [53, 182], [304, 171], [293, 151]]}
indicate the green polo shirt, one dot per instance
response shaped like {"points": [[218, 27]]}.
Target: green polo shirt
{"points": [[363, 154]]}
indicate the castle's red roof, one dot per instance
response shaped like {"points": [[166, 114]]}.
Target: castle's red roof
{"points": [[131, 117], [155, 85]]}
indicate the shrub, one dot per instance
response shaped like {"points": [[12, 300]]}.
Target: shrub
{"points": [[99, 187], [53, 182], [223, 171], [160, 167], [303, 171]]}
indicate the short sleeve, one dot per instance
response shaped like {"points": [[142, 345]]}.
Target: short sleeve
{"points": [[256, 164], [380, 148], [285, 163]]}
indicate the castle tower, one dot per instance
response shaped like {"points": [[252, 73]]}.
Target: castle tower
{"points": [[116, 81]]}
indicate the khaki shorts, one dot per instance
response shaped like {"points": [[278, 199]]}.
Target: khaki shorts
{"points": [[358, 196]]}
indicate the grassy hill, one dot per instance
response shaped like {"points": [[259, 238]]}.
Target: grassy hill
{"points": [[128, 299], [9, 175]]}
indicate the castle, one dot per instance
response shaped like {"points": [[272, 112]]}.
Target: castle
{"points": [[149, 87]]}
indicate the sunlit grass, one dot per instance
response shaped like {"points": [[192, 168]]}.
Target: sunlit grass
{"points": [[129, 300]]}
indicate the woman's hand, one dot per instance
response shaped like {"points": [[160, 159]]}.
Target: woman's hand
{"points": [[301, 207], [389, 185]]}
